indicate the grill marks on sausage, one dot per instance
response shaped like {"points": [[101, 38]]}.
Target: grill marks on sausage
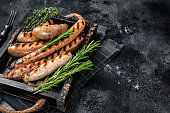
{"points": [[75, 41], [80, 38], [14, 72], [31, 34], [37, 52], [29, 56], [22, 69], [33, 55], [30, 44], [60, 55], [49, 21], [23, 44], [17, 44], [78, 25], [50, 46], [55, 55], [74, 29], [45, 60], [39, 43], [29, 73], [82, 22], [33, 44], [52, 60], [25, 34], [38, 63], [37, 69], [52, 56], [31, 65], [19, 61], [66, 53], [69, 44], [45, 63], [64, 48], [62, 39], [36, 43]]}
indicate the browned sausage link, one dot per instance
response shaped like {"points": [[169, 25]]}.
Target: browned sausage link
{"points": [[28, 36], [74, 15], [78, 26], [38, 54], [47, 68], [72, 46], [22, 49], [47, 32], [49, 22], [19, 72]]}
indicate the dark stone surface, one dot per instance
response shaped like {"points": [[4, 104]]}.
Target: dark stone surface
{"points": [[138, 79]]}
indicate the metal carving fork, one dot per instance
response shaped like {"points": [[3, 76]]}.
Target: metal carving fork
{"points": [[8, 26]]}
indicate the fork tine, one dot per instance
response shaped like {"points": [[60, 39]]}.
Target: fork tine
{"points": [[10, 17], [13, 18]]}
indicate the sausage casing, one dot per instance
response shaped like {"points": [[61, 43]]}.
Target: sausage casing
{"points": [[16, 74], [22, 49], [49, 31], [28, 36], [47, 68], [40, 54]]}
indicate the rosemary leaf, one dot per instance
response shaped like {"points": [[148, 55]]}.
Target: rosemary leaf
{"points": [[74, 65], [61, 36]]}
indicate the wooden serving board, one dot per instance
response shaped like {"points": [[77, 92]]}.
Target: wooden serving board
{"points": [[56, 98]]}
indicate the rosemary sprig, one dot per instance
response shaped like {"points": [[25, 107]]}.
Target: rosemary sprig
{"points": [[74, 65], [61, 36], [38, 17]]}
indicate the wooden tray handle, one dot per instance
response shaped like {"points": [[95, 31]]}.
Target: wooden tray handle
{"points": [[74, 15], [38, 104]]}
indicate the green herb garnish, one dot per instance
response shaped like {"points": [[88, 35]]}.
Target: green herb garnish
{"points": [[61, 36], [39, 17], [74, 65]]}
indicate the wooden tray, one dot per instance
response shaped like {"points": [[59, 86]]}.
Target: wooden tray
{"points": [[57, 98]]}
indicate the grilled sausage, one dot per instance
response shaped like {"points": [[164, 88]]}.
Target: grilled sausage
{"points": [[22, 49], [38, 54], [49, 31], [16, 74], [28, 36], [78, 27], [47, 68], [49, 22]]}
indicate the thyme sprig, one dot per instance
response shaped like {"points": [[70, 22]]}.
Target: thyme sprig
{"points": [[38, 17], [54, 41], [73, 66]]}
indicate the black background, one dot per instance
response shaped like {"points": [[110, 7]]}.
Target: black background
{"points": [[137, 80]]}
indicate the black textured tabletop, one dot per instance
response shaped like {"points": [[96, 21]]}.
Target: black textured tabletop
{"points": [[137, 80]]}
